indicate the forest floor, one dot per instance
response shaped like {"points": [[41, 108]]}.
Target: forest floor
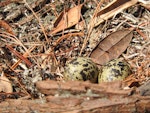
{"points": [[36, 44]]}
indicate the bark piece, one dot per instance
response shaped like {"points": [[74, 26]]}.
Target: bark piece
{"points": [[131, 104], [75, 88], [145, 89], [80, 102]]}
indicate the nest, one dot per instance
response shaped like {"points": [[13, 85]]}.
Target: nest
{"points": [[36, 44]]}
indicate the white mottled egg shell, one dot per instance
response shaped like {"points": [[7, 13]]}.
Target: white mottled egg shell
{"points": [[114, 70], [82, 69]]}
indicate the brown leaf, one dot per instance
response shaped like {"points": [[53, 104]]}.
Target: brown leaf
{"points": [[67, 19], [113, 8], [5, 84], [111, 47]]}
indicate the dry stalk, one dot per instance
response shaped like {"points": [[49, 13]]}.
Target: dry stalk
{"points": [[42, 27], [25, 55], [91, 26]]}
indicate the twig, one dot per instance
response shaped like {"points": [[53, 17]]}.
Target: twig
{"points": [[19, 55], [42, 27], [91, 26], [25, 55]]}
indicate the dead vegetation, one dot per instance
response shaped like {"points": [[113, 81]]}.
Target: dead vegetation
{"points": [[38, 37]]}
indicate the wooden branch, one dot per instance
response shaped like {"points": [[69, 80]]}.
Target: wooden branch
{"points": [[80, 97]]}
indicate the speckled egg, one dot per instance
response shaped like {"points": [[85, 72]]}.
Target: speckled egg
{"points": [[81, 69], [114, 70]]}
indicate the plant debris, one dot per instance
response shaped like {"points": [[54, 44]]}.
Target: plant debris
{"points": [[38, 38], [111, 47], [5, 84]]}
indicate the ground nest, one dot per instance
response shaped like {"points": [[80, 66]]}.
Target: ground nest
{"points": [[38, 38]]}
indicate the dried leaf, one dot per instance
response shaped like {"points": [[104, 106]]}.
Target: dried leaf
{"points": [[111, 47], [116, 6], [67, 19], [5, 84]]}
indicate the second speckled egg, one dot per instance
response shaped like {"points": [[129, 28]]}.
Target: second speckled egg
{"points": [[114, 70]]}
